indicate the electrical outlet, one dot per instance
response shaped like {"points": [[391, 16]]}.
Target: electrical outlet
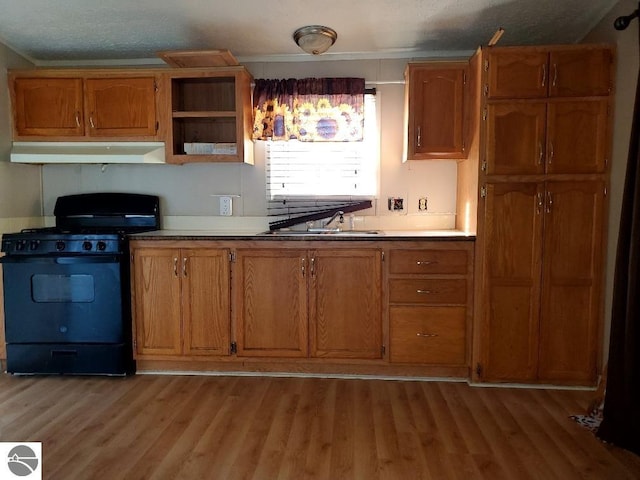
{"points": [[225, 206], [422, 204], [395, 204]]}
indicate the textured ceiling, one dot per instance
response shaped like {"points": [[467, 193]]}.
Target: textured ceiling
{"points": [[77, 30]]}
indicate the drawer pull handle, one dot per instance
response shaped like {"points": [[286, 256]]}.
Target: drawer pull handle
{"points": [[426, 335], [426, 292], [425, 262]]}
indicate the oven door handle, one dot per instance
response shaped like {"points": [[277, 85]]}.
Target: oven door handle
{"points": [[76, 260]]}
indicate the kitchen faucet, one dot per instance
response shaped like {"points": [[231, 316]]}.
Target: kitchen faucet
{"points": [[340, 214], [325, 226]]}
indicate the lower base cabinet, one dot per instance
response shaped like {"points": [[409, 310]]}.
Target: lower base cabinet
{"points": [[181, 301], [270, 296], [388, 308], [430, 295], [319, 303]]}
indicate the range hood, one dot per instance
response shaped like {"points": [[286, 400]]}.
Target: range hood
{"points": [[88, 152]]}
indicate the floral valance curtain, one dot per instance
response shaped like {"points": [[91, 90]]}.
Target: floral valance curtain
{"points": [[309, 109]]}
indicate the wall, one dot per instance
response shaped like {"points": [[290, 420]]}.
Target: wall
{"points": [[20, 191], [626, 78], [188, 192]]}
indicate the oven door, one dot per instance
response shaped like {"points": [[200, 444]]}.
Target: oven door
{"points": [[63, 299]]}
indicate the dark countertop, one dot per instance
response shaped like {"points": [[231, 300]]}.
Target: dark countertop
{"points": [[382, 235]]}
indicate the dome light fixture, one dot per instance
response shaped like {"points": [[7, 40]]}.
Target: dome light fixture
{"points": [[315, 39]]}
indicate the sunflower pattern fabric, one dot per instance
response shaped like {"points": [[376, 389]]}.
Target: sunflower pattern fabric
{"points": [[309, 109]]}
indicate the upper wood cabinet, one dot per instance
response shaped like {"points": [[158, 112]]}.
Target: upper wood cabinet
{"points": [[47, 106], [72, 106], [436, 107], [181, 301], [121, 106], [538, 72], [556, 136], [210, 115]]}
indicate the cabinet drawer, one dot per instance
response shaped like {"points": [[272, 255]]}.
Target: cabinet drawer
{"points": [[428, 261], [428, 290], [434, 335]]}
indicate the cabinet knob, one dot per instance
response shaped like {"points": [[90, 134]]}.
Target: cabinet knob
{"points": [[426, 292], [426, 335], [419, 137]]}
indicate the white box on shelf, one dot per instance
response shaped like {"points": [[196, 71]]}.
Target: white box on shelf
{"points": [[210, 149]]}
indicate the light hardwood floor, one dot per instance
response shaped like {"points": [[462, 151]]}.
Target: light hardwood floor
{"points": [[199, 427]]}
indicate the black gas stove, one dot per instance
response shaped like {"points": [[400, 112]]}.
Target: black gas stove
{"points": [[66, 288]]}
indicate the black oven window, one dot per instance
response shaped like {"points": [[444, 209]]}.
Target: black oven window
{"points": [[62, 288]]}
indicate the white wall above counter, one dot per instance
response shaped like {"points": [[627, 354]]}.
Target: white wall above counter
{"points": [[88, 152]]}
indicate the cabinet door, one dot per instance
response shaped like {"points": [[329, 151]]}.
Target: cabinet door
{"points": [[206, 307], [345, 304], [436, 112], [515, 138], [511, 281], [121, 106], [572, 281], [157, 314], [271, 302], [577, 133], [515, 73], [580, 73], [48, 106]]}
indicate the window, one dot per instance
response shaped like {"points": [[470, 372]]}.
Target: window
{"points": [[297, 169]]}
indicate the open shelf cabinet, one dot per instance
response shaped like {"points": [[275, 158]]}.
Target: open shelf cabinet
{"points": [[210, 114]]}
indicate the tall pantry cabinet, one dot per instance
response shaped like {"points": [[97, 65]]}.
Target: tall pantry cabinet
{"points": [[544, 160]]}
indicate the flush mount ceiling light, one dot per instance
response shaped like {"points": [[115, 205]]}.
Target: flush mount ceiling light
{"points": [[315, 39]]}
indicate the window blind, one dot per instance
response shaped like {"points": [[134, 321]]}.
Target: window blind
{"points": [[296, 170]]}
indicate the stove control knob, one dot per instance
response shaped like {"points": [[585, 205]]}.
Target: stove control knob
{"points": [[60, 246], [21, 244], [86, 245], [33, 244], [102, 246]]}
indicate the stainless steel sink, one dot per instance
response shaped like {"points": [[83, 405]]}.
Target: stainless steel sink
{"points": [[322, 233]]}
